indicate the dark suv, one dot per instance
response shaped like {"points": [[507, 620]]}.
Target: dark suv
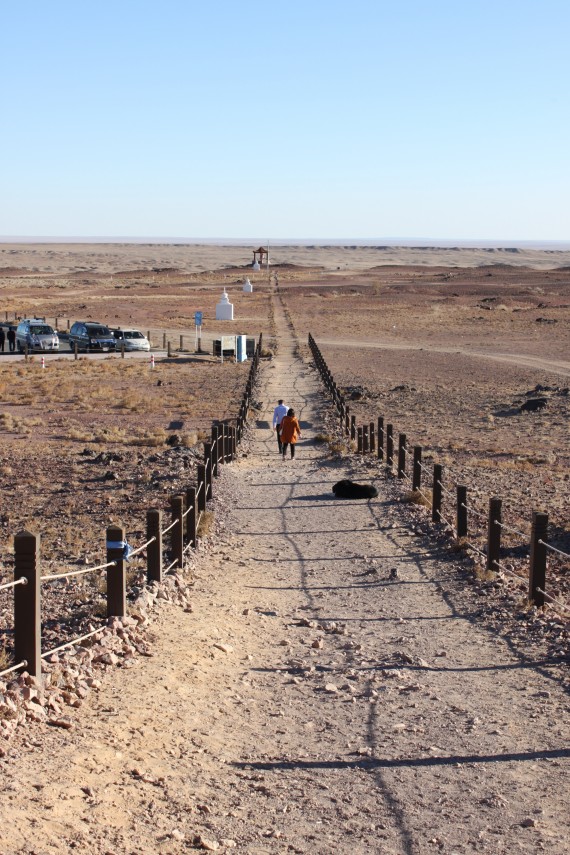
{"points": [[91, 336]]}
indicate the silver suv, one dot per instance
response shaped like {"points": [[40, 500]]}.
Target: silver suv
{"points": [[35, 334]]}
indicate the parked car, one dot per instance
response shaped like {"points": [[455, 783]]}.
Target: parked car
{"points": [[131, 340], [35, 334], [91, 336]]}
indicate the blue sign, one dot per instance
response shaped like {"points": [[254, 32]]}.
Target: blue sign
{"points": [[198, 319]]}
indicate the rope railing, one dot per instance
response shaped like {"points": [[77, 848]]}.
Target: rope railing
{"points": [[172, 524], [553, 600], [72, 643], [511, 530], [142, 548], [553, 548], [187, 511], [444, 489], [21, 664], [171, 565], [509, 572], [21, 581], [53, 576], [472, 510]]}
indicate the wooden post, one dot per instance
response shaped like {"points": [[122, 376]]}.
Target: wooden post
{"points": [[365, 443], [537, 571], [417, 469], [154, 549], [122, 350], [461, 511], [75, 350], [208, 470], [192, 517], [177, 533], [372, 438], [380, 438], [164, 341], [169, 349], [360, 444], [389, 446], [353, 427], [437, 493], [116, 586], [27, 618], [181, 342], [148, 337], [202, 488], [347, 420], [401, 455], [215, 429], [494, 535]]}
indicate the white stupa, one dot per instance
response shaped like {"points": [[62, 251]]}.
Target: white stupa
{"points": [[255, 265], [225, 309], [247, 287]]}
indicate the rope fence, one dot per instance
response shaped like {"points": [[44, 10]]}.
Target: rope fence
{"points": [[379, 438], [187, 511]]}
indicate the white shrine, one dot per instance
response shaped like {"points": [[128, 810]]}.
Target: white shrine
{"points": [[225, 309], [247, 287]]}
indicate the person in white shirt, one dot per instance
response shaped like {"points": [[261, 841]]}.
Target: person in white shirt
{"points": [[278, 413]]}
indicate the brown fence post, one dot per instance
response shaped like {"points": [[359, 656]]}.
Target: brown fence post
{"points": [[154, 549], [537, 570], [164, 341], [353, 427], [181, 342], [389, 446], [215, 449], [461, 511], [27, 618], [365, 445], [202, 487], [494, 535], [192, 517], [177, 533], [417, 468], [380, 438], [208, 469], [401, 455], [122, 350], [75, 350], [116, 587], [372, 438], [360, 444], [347, 420], [437, 493]]}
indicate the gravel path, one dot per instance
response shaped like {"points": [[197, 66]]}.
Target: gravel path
{"points": [[331, 692]]}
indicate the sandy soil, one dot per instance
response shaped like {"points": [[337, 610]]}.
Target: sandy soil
{"points": [[344, 683]]}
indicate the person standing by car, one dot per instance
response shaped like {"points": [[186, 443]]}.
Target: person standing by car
{"points": [[11, 339], [2, 339]]}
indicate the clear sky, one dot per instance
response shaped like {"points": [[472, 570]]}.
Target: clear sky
{"points": [[312, 119]]}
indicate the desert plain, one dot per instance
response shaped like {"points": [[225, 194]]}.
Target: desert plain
{"points": [[445, 345]]}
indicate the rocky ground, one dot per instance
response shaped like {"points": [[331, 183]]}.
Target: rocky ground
{"points": [[307, 715]]}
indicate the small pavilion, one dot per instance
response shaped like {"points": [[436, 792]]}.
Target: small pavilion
{"points": [[258, 255]]}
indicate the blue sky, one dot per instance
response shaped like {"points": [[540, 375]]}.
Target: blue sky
{"points": [[300, 120]]}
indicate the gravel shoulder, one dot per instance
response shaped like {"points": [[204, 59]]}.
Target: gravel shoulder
{"points": [[331, 691]]}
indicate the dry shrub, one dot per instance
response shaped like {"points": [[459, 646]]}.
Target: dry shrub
{"points": [[5, 659], [322, 438], [189, 440], [206, 523], [416, 497]]}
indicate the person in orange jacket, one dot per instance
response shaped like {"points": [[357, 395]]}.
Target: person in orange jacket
{"points": [[290, 432]]}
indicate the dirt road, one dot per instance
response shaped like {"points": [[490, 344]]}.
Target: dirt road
{"points": [[331, 692]]}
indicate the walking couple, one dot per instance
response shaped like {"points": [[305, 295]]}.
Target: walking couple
{"points": [[286, 425]]}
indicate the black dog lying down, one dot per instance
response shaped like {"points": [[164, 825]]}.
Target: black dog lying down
{"points": [[349, 490]]}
